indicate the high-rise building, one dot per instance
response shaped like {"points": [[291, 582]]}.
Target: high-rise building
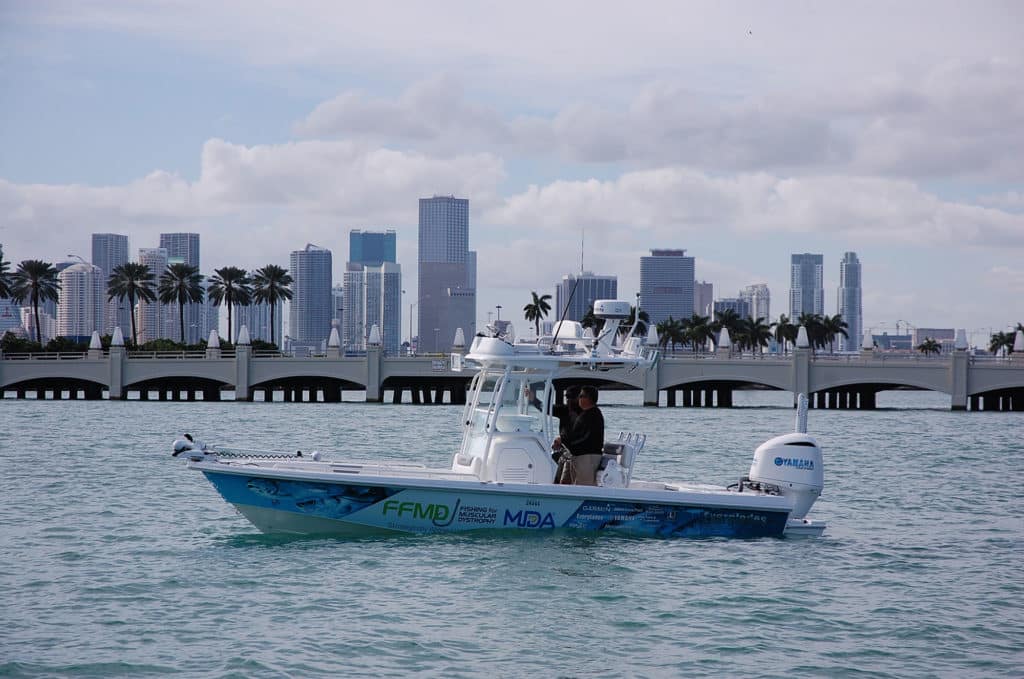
{"points": [[703, 298], [82, 301], [447, 273], [576, 294], [372, 291], [338, 305], [740, 306], [806, 286], [109, 251], [849, 304], [151, 317], [666, 285], [372, 247], [373, 296], [309, 320], [184, 248], [759, 301], [256, 319], [209, 314]]}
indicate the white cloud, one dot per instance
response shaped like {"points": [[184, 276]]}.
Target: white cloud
{"points": [[955, 120]]}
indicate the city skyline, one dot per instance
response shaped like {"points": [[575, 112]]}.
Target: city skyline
{"points": [[691, 129]]}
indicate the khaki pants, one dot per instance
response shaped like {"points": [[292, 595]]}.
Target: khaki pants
{"points": [[581, 470]]}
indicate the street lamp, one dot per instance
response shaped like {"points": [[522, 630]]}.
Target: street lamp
{"points": [[437, 346]]}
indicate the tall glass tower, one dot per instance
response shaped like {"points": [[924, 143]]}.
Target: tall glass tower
{"points": [[184, 248], [372, 291], [849, 304], [311, 307], [82, 301], [806, 287], [109, 251], [666, 285], [151, 317], [576, 294], [447, 273]]}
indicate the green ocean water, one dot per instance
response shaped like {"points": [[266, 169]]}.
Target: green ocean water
{"points": [[117, 561]]}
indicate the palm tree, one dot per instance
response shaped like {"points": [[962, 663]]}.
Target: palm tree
{"points": [[135, 282], [814, 324], [929, 346], [699, 330], [785, 332], [999, 341], [756, 333], [181, 284], [670, 331], [641, 327], [230, 286], [5, 276], [536, 310], [36, 281], [589, 320], [270, 285], [833, 327]]}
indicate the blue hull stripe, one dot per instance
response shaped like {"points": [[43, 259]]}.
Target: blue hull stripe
{"points": [[417, 510]]}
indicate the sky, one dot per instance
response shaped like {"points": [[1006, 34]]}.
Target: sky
{"points": [[739, 131]]}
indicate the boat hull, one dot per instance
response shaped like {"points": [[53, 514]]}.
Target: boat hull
{"points": [[298, 506]]}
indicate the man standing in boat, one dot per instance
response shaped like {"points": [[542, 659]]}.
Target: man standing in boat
{"points": [[585, 441], [566, 414]]}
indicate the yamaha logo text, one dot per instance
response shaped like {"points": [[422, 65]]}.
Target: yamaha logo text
{"points": [[794, 462]]}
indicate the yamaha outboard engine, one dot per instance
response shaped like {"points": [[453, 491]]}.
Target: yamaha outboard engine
{"points": [[792, 464]]}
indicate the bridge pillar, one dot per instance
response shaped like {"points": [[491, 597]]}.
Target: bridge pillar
{"points": [[115, 359], [975, 402], [868, 400], [414, 393], [396, 395], [725, 397], [958, 380], [670, 398], [374, 389], [242, 390], [1017, 401], [651, 382]]}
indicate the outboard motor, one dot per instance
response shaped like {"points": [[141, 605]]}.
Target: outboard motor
{"points": [[792, 463]]}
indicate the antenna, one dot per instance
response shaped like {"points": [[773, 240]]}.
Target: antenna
{"points": [[583, 233]]}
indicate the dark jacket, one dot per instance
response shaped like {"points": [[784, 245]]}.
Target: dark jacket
{"points": [[566, 416], [586, 437]]}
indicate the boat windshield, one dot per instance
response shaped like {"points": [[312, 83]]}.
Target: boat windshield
{"points": [[514, 402]]}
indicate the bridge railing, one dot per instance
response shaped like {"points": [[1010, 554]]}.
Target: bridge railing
{"points": [[176, 355], [50, 356]]}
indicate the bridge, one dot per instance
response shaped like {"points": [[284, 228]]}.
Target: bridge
{"points": [[701, 380]]}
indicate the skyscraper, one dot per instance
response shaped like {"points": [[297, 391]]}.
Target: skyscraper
{"points": [[703, 298], [575, 295], [666, 285], [447, 273], [309, 320], [183, 248], [109, 251], [82, 301], [849, 303], [759, 301], [371, 247], [806, 291], [256, 319], [150, 317], [372, 291]]}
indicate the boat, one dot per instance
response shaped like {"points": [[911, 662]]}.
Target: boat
{"points": [[502, 477]]}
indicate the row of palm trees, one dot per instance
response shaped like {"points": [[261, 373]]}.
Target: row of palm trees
{"points": [[181, 284], [35, 282], [1003, 341]]}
